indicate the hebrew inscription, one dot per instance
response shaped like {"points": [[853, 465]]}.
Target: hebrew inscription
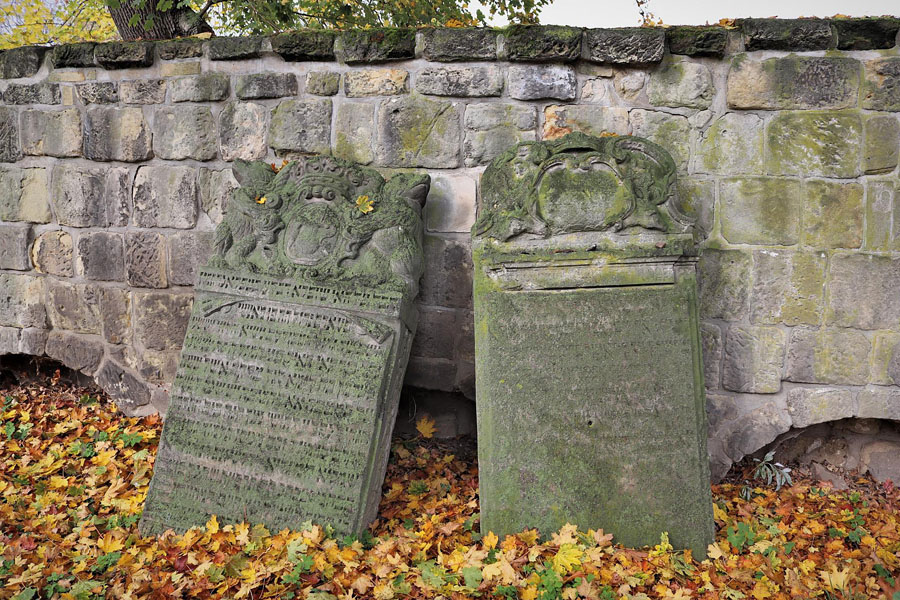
{"points": [[587, 345], [289, 378]]}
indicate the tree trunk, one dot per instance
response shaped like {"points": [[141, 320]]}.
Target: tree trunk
{"points": [[176, 22]]}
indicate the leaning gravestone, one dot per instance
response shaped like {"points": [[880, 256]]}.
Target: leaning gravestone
{"points": [[287, 389], [588, 371]]}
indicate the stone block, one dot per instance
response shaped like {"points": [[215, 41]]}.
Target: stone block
{"points": [[624, 45], [416, 132], [863, 292], [354, 130], [74, 351], [809, 406], [188, 251], [878, 403], [124, 55], [880, 207], [34, 200], [535, 82], [882, 146], [468, 81], [836, 356], [182, 132], [79, 195], [435, 333], [9, 340], [681, 83], [207, 87], [22, 301], [158, 366], [51, 133], [450, 207], [814, 143], [448, 272], [833, 214], [724, 279], [788, 287], [265, 85], [885, 366], [165, 197], [881, 89], [180, 48], [629, 84], [51, 253], [24, 61], [731, 145], [215, 188], [323, 83], [697, 41], [301, 126], [672, 132], [696, 198], [177, 69], [375, 45], [431, 374], [787, 34], [101, 256], [117, 134], [128, 391], [73, 306], [592, 120], [235, 48], [305, 44], [866, 33], [32, 93], [242, 127], [33, 341], [444, 44], [143, 91], [10, 148], [711, 343], [15, 246], [760, 210], [72, 55], [793, 82], [115, 314], [543, 43], [376, 82], [161, 318], [98, 92], [145, 259], [753, 359], [493, 128]]}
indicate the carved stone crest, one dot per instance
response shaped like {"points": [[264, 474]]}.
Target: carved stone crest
{"points": [[580, 183], [324, 218]]}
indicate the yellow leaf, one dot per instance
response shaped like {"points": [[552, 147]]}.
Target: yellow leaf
{"points": [[713, 551], [383, 591], [212, 526], [426, 426], [760, 591], [529, 536], [566, 535], [529, 593], [261, 200], [109, 543], [365, 204], [490, 540], [56, 481], [567, 558], [836, 580]]}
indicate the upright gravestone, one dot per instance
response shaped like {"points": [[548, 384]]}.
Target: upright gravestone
{"points": [[588, 371], [287, 389]]}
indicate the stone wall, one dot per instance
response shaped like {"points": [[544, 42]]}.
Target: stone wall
{"points": [[786, 133]]}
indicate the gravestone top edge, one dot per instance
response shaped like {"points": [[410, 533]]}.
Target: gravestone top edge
{"points": [[322, 220], [578, 184]]}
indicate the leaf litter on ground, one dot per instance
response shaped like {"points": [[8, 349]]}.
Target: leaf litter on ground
{"points": [[74, 474]]}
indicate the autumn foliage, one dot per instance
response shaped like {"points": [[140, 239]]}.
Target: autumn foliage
{"points": [[74, 475]]}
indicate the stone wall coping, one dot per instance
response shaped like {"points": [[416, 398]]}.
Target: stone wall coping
{"points": [[516, 43]]}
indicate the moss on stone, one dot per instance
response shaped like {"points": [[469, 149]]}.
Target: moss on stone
{"points": [[235, 48], [376, 45], [304, 44], [697, 41], [866, 33], [543, 43], [124, 55], [72, 55]]}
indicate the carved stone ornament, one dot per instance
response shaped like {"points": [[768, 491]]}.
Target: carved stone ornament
{"points": [[324, 219], [580, 183]]}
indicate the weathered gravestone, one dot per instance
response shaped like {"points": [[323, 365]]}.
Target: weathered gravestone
{"points": [[287, 389], [588, 371]]}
